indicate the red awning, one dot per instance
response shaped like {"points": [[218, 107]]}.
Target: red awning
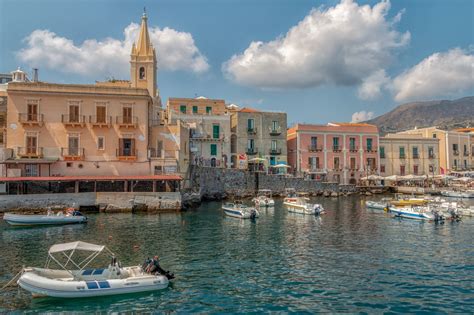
{"points": [[89, 178]]}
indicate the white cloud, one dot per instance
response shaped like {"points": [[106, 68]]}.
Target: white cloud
{"points": [[341, 45], [362, 116], [110, 57], [438, 75], [371, 87]]}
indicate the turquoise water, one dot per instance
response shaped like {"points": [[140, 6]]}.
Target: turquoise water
{"points": [[349, 260]]}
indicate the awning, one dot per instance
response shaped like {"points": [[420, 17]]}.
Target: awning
{"points": [[76, 246], [89, 178]]}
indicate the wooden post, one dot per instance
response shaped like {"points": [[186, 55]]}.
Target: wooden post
{"points": [[125, 186], [95, 186], [154, 186], [76, 186]]}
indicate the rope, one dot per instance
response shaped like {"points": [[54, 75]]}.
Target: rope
{"points": [[10, 282]]}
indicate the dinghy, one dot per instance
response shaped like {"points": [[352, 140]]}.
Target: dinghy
{"points": [[264, 198], [87, 282], [381, 205], [415, 212], [50, 218], [301, 205], [238, 210]]}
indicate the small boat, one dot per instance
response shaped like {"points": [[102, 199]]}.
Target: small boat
{"points": [[238, 210], [264, 198], [301, 205], [379, 205], [414, 212], [290, 195], [458, 193], [70, 217], [404, 201], [90, 282]]}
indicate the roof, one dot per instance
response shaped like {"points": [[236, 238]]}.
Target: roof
{"points": [[249, 110], [56, 248], [89, 178], [336, 127], [350, 124], [464, 129]]}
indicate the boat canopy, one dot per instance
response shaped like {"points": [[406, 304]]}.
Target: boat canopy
{"points": [[76, 246]]}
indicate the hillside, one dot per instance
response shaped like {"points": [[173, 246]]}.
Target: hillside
{"points": [[443, 113]]}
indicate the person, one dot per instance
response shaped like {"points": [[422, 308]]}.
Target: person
{"points": [[154, 268]]}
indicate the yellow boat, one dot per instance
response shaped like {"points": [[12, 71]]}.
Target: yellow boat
{"points": [[403, 201]]}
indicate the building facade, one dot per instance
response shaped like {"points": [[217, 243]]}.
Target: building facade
{"points": [[208, 121], [405, 154], [258, 134], [455, 147], [339, 152]]}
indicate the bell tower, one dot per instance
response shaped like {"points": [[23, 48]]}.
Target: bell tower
{"points": [[143, 67]]}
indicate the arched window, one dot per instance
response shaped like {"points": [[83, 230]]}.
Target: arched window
{"points": [[142, 73]]}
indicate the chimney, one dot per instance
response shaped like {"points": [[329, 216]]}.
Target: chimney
{"points": [[35, 74]]}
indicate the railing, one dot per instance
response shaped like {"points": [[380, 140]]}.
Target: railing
{"points": [[275, 131], [416, 156], [402, 156], [30, 152], [100, 121], [466, 153], [275, 151], [314, 148], [251, 151], [161, 154], [431, 156], [72, 153], [31, 119], [206, 136], [353, 148], [126, 154], [382, 155], [370, 149], [127, 121], [314, 168], [252, 130], [336, 148], [73, 119], [456, 152]]}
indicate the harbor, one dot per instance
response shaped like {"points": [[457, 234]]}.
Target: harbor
{"points": [[350, 259]]}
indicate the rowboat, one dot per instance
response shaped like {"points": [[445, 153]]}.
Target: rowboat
{"points": [[87, 282], [238, 210], [301, 205], [50, 218]]}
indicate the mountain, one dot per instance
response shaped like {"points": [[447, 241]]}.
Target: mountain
{"points": [[442, 113]]}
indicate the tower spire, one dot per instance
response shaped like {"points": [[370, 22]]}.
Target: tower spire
{"points": [[144, 45]]}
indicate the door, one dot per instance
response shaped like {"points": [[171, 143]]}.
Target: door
{"points": [[215, 131], [127, 147], [73, 113], [73, 146], [31, 145], [100, 114], [32, 112], [127, 115]]}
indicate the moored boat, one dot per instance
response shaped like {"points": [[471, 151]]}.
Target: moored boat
{"points": [[264, 198], [70, 217], [302, 206], [90, 282], [379, 205], [238, 210], [458, 193], [414, 212]]}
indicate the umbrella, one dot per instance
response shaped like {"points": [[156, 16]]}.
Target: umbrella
{"points": [[257, 160], [463, 179], [281, 166], [392, 178]]}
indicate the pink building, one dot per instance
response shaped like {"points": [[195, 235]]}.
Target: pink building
{"points": [[340, 152]]}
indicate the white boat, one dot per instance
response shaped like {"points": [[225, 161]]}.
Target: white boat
{"points": [[264, 198], [414, 212], [301, 205], [379, 205], [51, 218], [458, 193], [82, 282], [239, 210]]}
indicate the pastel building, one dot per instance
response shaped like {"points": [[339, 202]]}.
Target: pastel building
{"points": [[339, 152], [404, 154]]}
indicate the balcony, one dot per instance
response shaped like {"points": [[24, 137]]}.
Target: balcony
{"points": [[252, 131], [275, 131], [416, 156], [251, 151], [431, 156], [30, 152], [126, 154], [162, 154], [382, 155], [353, 148], [466, 153], [315, 169], [100, 121], [370, 149], [275, 151], [336, 148], [72, 154], [127, 121], [402, 156], [73, 120], [315, 148], [202, 136], [30, 119], [455, 152]]}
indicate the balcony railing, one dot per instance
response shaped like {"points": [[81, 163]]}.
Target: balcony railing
{"points": [[431, 156], [314, 168], [100, 121], [30, 119], [127, 121], [314, 148], [456, 152], [251, 151], [252, 130], [336, 148], [126, 154], [73, 120], [72, 154], [30, 152], [466, 153], [161, 154], [382, 155], [207, 136], [353, 148], [402, 156], [370, 149], [275, 151], [416, 156], [275, 131]]}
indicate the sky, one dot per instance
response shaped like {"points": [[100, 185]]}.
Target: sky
{"points": [[319, 61]]}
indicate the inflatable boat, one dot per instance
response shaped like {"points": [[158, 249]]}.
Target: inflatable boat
{"points": [[45, 219]]}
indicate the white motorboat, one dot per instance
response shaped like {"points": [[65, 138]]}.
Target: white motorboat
{"points": [[70, 217], [378, 205], [82, 282], [239, 210], [264, 198], [414, 212], [301, 205], [458, 193]]}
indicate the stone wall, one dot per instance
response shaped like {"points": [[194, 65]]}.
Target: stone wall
{"points": [[43, 201], [217, 183]]}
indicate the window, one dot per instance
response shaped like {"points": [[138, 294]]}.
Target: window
{"points": [[208, 110], [314, 143], [336, 163], [215, 131], [127, 114], [402, 170], [455, 163], [195, 109], [275, 125], [465, 150], [402, 152], [430, 152], [353, 163], [352, 144], [127, 146], [371, 165], [415, 169], [32, 111], [382, 152], [382, 168], [213, 149], [434, 136], [250, 144], [250, 124], [31, 170], [335, 143], [101, 143], [31, 144], [159, 149], [465, 163], [73, 144], [455, 147], [74, 113], [415, 152], [101, 112], [313, 162], [141, 74], [182, 109], [274, 145], [369, 144]]}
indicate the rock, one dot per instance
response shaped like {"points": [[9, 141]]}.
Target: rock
{"points": [[368, 193], [326, 193], [334, 194]]}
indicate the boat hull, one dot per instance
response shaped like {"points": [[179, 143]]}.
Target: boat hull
{"points": [[458, 194], [239, 213], [309, 209], [27, 220], [375, 205], [410, 214]]}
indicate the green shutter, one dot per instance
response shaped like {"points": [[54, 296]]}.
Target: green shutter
{"points": [[213, 149], [215, 131], [195, 109], [182, 109]]}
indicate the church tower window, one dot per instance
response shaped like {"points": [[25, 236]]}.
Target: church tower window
{"points": [[142, 73]]}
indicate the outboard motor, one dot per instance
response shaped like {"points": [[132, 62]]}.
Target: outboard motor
{"points": [[253, 214], [438, 217], [77, 213]]}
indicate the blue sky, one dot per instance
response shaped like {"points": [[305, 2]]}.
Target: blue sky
{"points": [[338, 59]]}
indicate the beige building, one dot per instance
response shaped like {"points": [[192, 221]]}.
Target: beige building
{"points": [[257, 134], [455, 147], [107, 128], [404, 154], [209, 125]]}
